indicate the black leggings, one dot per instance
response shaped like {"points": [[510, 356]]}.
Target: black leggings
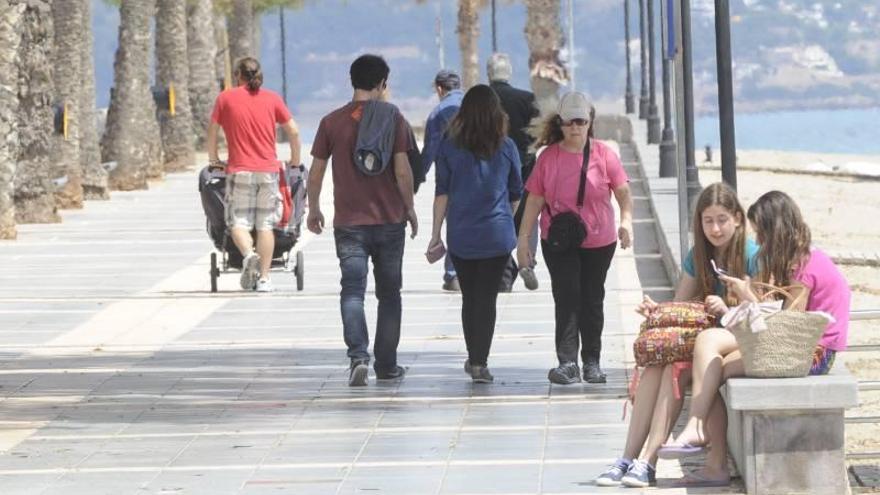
{"points": [[479, 281], [578, 280]]}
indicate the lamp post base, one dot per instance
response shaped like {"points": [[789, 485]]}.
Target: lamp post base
{"points": [[653, 125], [668, 157]]}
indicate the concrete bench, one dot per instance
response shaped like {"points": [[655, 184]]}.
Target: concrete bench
{"points": [[786, 435]]}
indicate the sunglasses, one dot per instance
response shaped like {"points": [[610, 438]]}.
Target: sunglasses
{"points": [[577, 122]]}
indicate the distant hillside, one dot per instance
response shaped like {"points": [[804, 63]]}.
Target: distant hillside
{"points": [[788, 53]]}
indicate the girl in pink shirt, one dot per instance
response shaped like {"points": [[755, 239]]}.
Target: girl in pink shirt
{"points": [[578, 272], [785, 259]]}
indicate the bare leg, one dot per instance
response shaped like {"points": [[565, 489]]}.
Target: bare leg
{"points": [[716, 424], [242, 239], [711, 346], [265, 248], [643, 411], [666, 412]]}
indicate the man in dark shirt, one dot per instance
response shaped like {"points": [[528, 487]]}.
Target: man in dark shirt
{"points": [[520, 107], [447, 85], [370, 212]]}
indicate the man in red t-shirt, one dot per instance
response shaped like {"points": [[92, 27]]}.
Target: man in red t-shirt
{"points": [[248, 115], [370, 212]]}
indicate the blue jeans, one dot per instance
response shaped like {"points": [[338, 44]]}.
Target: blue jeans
{"points": [[384, 244]]}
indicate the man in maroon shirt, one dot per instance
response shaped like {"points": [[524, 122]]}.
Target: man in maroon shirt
{"points": [[370, 212], [248, 115]]}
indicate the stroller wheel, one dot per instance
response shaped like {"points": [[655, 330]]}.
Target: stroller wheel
{"points": [[215, 272], [299, 271]]}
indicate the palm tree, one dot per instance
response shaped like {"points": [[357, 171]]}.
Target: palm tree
{"points": [[544, 38], [130, 131], [34, 189], [172, 74], [94, 181], [67, 16], [468, 32], [201, 49], [222, 61], [10, 38], [241, 30]]}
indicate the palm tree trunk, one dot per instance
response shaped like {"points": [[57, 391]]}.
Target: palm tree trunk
{"points": [[150, 116], [129, 131], [257, 43], [201, 50], [67, 17], [222, 61], [172, 70], [10, 38], [34, 189], [544, 38], [468, 33], [241, 30], [94, 175]]}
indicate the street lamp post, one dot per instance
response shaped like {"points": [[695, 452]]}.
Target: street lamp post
{"points": [[283, 55], [629, 98], [494, 27], [643, 96], [693, 180], [653, 116], [668, 165], [725, 92]]}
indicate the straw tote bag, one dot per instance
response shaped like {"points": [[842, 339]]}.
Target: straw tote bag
{"points": [[785, 348]]}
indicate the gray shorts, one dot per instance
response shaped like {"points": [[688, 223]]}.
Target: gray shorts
{"points": [[253, 200]]}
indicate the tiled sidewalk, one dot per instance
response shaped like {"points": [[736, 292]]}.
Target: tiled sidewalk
{"points": [[121, 374]]}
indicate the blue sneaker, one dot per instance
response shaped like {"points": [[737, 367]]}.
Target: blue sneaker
{"points": [[640, 475], [614, 473]]}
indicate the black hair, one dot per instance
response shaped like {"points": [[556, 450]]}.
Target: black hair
{"points": [[368, 71], [249, 69]]}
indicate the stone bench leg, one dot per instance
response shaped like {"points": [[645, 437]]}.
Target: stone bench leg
{"points": [[790, 451]]}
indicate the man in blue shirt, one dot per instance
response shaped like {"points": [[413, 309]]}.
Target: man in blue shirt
{"points": [[447, 84]]}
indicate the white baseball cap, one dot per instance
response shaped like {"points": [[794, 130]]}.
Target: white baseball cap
{"points": [[574, 105]]}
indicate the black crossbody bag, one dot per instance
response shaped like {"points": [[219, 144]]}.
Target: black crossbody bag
{"points": [[567, 229]]}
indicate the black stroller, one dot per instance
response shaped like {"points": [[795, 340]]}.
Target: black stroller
{"points": [[212, 188]]}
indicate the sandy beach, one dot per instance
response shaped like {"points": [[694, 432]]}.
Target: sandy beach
{"points": [[844, 215]]}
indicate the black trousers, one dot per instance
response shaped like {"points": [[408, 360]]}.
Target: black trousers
{"points": [[511, 270], [479, 281], [578, 281]]}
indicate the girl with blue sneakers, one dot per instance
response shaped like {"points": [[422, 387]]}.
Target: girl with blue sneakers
{"points": [[719, 231]]}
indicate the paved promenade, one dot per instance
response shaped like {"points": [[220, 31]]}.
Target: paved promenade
{"points": [[120, 373]]}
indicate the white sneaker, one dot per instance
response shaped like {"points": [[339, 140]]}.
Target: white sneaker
{"points": [[250, 271], [264, 285]]}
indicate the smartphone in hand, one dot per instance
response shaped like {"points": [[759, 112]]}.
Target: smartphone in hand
{"points": [[435, 252], [719, 271]]}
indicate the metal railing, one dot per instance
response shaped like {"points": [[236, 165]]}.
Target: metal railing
{"points": [[864, 385]]}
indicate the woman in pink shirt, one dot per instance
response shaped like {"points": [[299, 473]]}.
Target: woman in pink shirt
{"points": [[785, 259], [578, 273]]}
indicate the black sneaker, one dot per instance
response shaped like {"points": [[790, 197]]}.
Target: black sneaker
{"points": [[467, 366], [394, 374], [452, 285], [593, 373], [565, 374], [480, 374], [357, 375]]}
